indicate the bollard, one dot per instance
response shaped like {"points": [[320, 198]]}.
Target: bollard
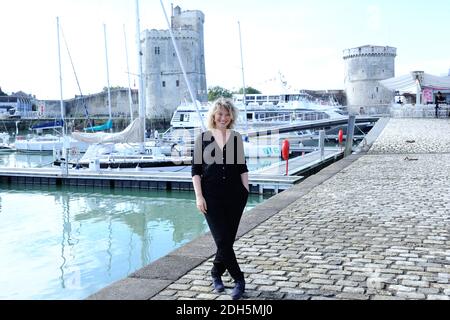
{"points": [[350, 131], [322, 143]]}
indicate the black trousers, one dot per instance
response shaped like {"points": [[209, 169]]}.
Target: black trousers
{"points": [[224, 212]]}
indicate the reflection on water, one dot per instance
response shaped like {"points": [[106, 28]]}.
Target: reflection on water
{"points": [[62, 243]]}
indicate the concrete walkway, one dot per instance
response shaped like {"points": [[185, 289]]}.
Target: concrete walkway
{"points": [[372, 226]]}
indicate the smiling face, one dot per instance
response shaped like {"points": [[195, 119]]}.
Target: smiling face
{"points": [[222, 119]]}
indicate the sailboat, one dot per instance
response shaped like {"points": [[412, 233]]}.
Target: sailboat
{"points": [[48, 143]]}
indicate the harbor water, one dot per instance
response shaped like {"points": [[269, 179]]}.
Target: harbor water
{"points": [[67, 243]]}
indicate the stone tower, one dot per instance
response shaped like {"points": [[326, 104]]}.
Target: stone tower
{"points": [[364, 67], [165, 87]]}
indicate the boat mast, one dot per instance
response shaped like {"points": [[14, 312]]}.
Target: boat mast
{"points": [[107, 74], [130, 99], [244, 99], [61, 101], [141, 80], [194, 100]]}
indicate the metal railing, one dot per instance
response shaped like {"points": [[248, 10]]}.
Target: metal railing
{"points": [[419, 111]]}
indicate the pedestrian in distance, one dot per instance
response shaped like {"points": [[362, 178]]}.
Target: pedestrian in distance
{"points": [[220, 179], [439, 99]]}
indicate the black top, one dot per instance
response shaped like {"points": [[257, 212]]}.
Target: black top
{"points": [[218, 166]]}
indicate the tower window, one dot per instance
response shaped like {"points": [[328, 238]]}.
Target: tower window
{"points": [[163, 83], [178, 83], [377, 89], [157, 50]]}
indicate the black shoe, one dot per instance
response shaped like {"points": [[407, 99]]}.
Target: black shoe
{"points": [[218, 284], [238, 290]]}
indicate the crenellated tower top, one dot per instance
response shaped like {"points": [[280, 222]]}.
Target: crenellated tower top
{"points": [[370, 50]]}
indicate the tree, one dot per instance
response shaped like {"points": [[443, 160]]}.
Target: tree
{"points": [[113, 88], [217, 92], [249, 90], [2, 93]]}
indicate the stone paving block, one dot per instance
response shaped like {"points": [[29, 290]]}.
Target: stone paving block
{"points": [[428, 291], [286, 284], [261, 281], [437, 297], [179, 287], [205, 296], [352, 296], [131, 289], [410, 295], [164, 297], [309, 286], [205, 289], [292, 296], [381, 297], [322, 293], [331, 288], [186, 294], [417, 284], [401, 288], [353, 290], [270, 295], [322, 281], [293, 291], [168, 268]]}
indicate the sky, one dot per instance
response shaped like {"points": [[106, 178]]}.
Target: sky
{"points": [[303, 40]]}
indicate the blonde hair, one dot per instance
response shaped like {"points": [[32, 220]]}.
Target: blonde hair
{"points": [[225, 104]]}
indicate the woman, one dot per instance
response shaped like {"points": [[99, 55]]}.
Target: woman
{"points": [[220, 179]]}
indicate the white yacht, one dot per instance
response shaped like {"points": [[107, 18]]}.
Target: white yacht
{"points": [[266, 113]]}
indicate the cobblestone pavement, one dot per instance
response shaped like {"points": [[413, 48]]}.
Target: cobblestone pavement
{"points": [[378, 229], [429, 136]]}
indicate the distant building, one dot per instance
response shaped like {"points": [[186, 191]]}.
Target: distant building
{"points": [[96, 105], [364, 67], [165, 87], [17, 105]]}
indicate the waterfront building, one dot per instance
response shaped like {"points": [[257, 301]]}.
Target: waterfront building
{"points": [[16, 105], [95, 105]]}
